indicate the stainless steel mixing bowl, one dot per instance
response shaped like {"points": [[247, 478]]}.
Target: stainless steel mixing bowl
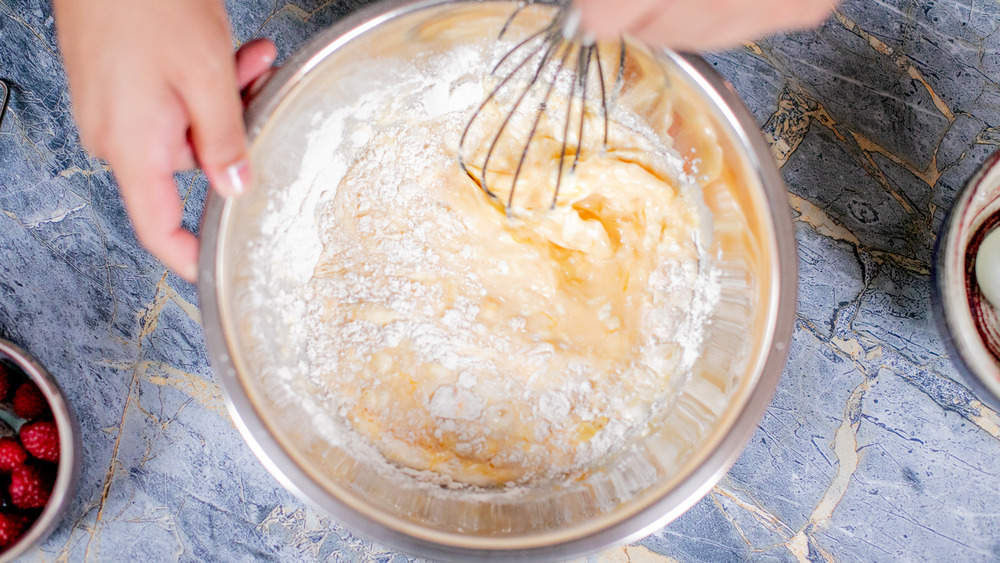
{"points": [[654, 482]]}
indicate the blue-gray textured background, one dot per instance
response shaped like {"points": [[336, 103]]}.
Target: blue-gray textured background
{"points": [[873, 449]]}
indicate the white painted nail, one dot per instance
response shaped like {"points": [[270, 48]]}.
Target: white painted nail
{"points": [[238, 177]]}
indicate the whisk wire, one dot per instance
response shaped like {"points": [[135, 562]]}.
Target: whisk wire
{"points": [[604, 94], [510, 20], [518, 47], [557, 41], [584, 61], [620, 76], [507, 119], [565, 142], [542, 106], [492, 95]]}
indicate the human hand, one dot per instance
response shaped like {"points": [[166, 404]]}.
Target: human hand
{"points": [[697, 25], [156, 89]]}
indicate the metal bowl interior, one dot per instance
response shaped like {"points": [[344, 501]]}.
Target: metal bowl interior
{"points": [[651, 483], [70, 451]]}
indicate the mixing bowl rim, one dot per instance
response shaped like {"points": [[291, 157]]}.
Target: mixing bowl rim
{"points": [[690, 488]]}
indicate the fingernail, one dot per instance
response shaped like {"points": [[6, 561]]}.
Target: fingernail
{"points": [[238, 177], [191, 272]]}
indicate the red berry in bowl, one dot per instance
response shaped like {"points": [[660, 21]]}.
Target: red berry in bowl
{"points": [[30, 486], [12, 454], [12, 525], [29, 402], [41, 439], [5, 381]]}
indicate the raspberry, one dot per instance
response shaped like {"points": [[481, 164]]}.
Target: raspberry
{"points": [[41, 439], [30, 486], [29, 402], [12, 525], [5, 377], [12, 454]]}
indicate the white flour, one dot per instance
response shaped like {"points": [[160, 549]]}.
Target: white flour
{"points": [[384, 285]]}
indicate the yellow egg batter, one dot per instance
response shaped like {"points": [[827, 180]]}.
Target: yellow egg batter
{"points": [[497, 348]]}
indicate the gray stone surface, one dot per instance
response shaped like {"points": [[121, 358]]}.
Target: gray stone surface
{"points": [[873, 449]]}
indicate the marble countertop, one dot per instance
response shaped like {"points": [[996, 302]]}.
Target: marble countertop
{"points": [[873, 448]]}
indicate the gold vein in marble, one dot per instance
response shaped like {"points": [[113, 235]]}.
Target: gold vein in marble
{"points": [[787, 128], [205, 393], [147, 320], [900, 60]]}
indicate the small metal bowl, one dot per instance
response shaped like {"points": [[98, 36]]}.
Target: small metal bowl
{"points": [[968, 323], [549, 522], [70, 450]]}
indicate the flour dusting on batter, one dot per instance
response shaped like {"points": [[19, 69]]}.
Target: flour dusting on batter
{"points": [[482, 349]]}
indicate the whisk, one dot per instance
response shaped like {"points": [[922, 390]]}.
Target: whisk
{"points": [[559, 52]]}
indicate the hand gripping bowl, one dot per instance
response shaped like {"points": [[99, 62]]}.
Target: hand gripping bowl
{"points": [[655, 481]]}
